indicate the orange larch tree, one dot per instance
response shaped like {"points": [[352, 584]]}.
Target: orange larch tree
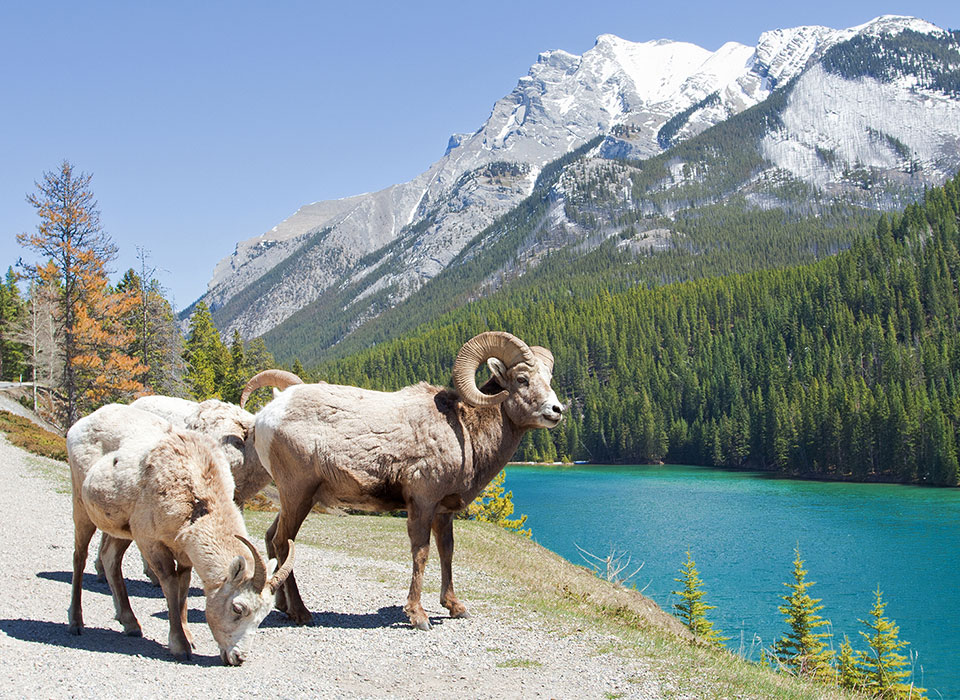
{"points": [[69, 236]]}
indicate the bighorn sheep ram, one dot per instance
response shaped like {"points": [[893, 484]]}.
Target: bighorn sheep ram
{"points": [[425, 449], [136, 477]]}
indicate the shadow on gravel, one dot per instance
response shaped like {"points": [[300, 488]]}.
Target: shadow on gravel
{"points": [[389, 616], [136, 588], [94, 639], [194, 615]]}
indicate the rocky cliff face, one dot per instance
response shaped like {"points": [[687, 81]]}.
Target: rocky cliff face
{"points": [[837, 128]]}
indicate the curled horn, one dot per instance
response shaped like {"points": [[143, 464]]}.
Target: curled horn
{"points": [[544, 355], [505, 347], [268, 377], [259, 566], [280, 575]]}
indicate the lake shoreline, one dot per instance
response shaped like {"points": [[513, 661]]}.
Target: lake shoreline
{"points": [[758, 471]]}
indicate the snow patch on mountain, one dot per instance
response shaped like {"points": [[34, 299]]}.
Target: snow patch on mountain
{"points": [[832, 125]]}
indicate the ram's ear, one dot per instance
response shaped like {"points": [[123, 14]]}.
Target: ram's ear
{"points": [[238, 568], [499, 371]]}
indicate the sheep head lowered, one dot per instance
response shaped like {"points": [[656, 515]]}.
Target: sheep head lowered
{"points": [[135, 477], [424, 449], [236, 608]]}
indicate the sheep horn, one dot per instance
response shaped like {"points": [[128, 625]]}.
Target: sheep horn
{"points": [[268, 377], [259, 566], [544, 355], [504, 346], [280, 575]]}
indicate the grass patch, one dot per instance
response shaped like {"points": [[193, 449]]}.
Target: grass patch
{"points": [[32, 438], [518, 663]]}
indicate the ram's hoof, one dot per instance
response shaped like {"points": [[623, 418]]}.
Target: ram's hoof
{"points": [[300, 617], [461, 615], [423, 625]]}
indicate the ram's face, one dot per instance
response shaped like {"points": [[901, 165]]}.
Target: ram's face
{"points": [[532, 402], [235, 611]]}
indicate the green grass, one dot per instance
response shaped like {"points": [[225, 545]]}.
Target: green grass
{"points": [[567, 599], [518, 663]]}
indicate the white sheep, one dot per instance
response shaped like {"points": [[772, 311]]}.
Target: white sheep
{"points": [[136, 477], [231, 428], [425, 449]]}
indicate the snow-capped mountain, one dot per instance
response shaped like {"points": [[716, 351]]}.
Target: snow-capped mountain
{"points": [[373, 250]]}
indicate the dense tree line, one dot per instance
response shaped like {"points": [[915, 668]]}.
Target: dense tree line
{"points": [[843, 368]]}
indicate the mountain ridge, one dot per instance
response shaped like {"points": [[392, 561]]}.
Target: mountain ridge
{"points": [[390, 243]]}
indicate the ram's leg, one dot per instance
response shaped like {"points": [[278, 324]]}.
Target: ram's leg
{"points": [[83, 529], [183, 581], [98, 562], [111, 551], [293, 510], [280, 598], [165, 567], [418, 528], [148, 572], [443, 536]]}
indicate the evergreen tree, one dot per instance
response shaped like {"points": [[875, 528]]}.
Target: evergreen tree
{"points": [[258, 358], [12, 317], [848, 670], [803, 650], [237, 374], [884, 669], [495, 505], [206, 356], [692, 609], [298, 370]]}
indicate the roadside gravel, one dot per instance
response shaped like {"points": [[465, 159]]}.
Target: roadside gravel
{"points": [[359, 645]]}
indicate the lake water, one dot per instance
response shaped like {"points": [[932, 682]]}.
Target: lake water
{"points": [[741, 529]]}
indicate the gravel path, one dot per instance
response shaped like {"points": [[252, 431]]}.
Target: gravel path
{"points": [[360, 644]]}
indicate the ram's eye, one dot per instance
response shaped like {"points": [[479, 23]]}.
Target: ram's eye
{"points": [[239, 608], [522, 380]]}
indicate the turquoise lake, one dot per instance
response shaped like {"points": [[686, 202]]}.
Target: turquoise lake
{"points": [[741, 529]]}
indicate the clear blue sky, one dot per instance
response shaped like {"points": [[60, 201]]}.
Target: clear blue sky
{"points": [[205, 123]]}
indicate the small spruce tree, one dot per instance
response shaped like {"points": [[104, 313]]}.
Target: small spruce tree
{"points": [[803, 650], [692, 608], [494, 505], [884, 669], [848, 670]]}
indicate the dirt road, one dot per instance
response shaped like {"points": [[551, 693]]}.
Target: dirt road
{"points": [[359, 645]]}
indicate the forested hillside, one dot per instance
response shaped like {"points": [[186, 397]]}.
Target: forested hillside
{"points": [[846, 367]]}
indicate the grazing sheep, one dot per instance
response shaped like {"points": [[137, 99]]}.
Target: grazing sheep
{"points": [[425, 449], [136, 477], [229, 425]]}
